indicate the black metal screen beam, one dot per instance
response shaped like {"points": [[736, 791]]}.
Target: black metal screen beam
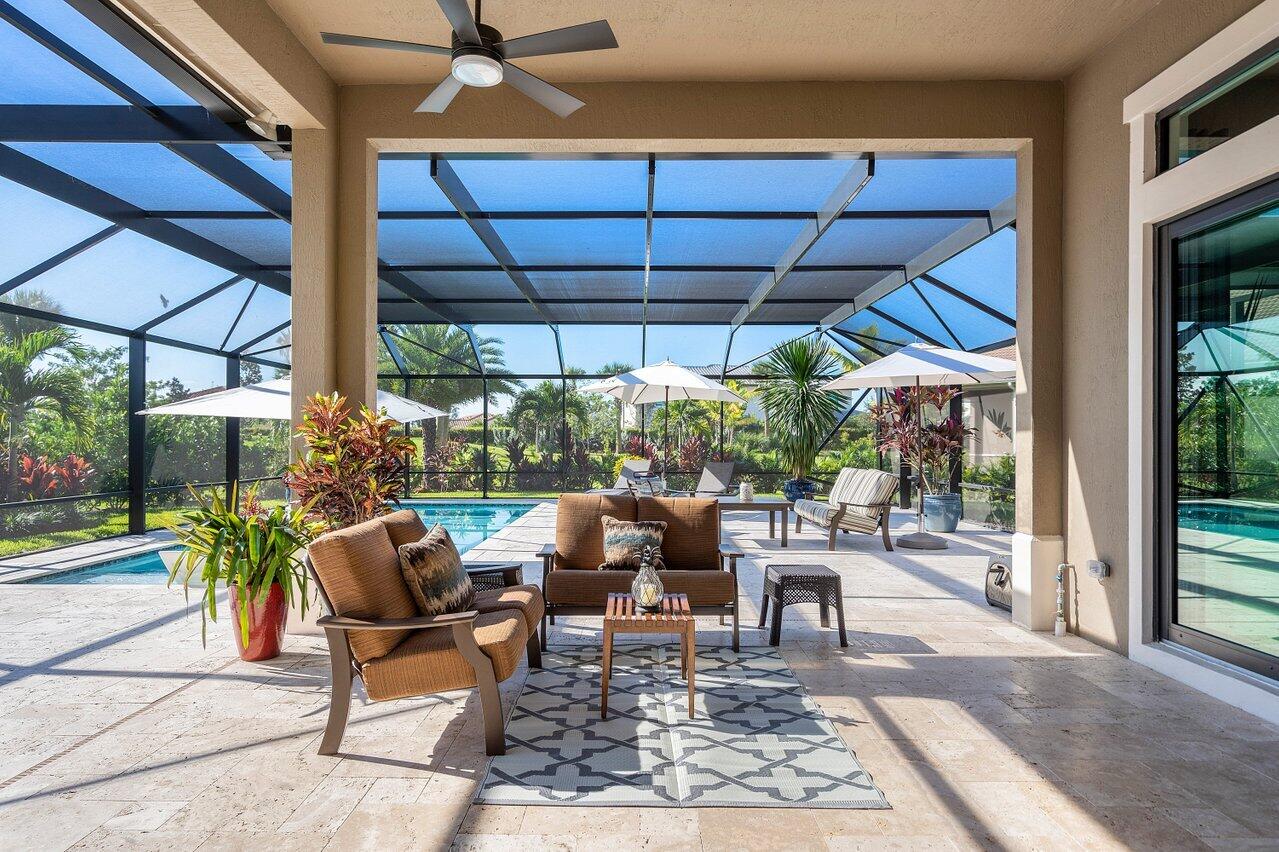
{"points": [[450, 183], [857, 338], [227, 168], [393, 350], [475, 348], [189, 303], [849, 186], [261, 337], [616, 300], [900, 323], [78, 123], [844, 348], [434, 352], [232, 426], [61, 257], [47, 180], [137, 435], [969, 300], [714, 215], [840, 425], [622, 267], [239, 315], [648, 253], [936, 315], [419, 294]]}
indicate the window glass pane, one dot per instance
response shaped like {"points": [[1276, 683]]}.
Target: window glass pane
{"points": [[594, 347], [968, 183], [1226, 338], [124, 281], [36, 227], [754, 341], [45, 78], [208, 322], [754, 185], [407, 185], [1242, 102], [267, 309], [525, 349], [974, 327], [905, 306], [103, 50], [149, 176], [498, 184]]}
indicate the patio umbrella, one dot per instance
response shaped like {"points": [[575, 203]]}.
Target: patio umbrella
{"points": [[920, 364], [662, 383], [272, 401]]}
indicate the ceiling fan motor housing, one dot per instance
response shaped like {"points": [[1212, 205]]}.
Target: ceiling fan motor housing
{"points": [[478, 65]]}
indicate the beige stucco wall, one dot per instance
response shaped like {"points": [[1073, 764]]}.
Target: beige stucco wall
{"points": [[1094, 316]]}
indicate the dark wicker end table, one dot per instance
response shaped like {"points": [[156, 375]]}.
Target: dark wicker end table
{"points": [[494, 575], [785, 585]]}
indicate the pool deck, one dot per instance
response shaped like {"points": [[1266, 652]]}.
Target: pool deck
{"points": [[120, 729]]}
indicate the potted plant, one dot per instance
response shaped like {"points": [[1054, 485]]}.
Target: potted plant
{"points": [[353, 467], [935, 449], [254, 552], [800, 413]]}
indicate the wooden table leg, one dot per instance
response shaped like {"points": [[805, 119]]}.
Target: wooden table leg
{"points": [[772, 524], [691, 658], [763, 611], [605, 670], [785, 524]]}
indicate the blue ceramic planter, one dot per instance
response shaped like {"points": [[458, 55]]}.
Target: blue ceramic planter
{"points": [[799, 489], [942, 512]]}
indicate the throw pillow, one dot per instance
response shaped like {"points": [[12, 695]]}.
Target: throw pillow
{"points": [[433, 570], [624, 543]]}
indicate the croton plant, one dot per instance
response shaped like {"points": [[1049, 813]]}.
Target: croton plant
{"points": [[353, 467]]}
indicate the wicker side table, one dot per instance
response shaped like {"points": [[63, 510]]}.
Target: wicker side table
{"points": [[494, 575], [785, 585]]}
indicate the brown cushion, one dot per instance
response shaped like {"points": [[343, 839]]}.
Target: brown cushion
{"points": [[579, 533], [591, 588], [691, 542], [428, 660], [404, 526], [360, 572], [433, 570], [527, 599], [626, 541]]}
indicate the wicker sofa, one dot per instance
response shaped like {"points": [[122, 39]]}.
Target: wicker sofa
{"points": [[696, 563], [859, 501], [375, 633]]}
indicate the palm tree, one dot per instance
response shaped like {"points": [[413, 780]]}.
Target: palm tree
{"points": [[443, 350], [34, 377], [801, 413], [616, 368], [542, 406]]}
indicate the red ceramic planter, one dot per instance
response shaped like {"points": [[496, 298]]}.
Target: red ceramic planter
{"points": [[266, 624]]}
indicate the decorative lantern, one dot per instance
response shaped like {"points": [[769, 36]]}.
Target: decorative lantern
{"points": [[746, 490], [646, 589]]}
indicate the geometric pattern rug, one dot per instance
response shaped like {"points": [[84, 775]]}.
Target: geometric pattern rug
{"points": [[758, 739]]}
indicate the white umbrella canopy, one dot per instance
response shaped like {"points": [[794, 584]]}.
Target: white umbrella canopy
{"points": [[920, 364], [662, 383], [272, 401]]}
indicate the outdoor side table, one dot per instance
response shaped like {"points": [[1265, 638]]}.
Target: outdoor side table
{"points": [[494, 575], [785, 585], [621, 615]]}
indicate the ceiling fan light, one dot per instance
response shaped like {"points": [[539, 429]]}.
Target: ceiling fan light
{"points": [[478, 70]]}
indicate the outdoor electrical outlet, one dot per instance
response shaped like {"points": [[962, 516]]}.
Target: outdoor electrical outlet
{"points": [[1098, 569]]}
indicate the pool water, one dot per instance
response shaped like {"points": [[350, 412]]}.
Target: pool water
{"points": [[468, 524], [1250, 520]]}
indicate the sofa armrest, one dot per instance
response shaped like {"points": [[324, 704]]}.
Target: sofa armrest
{"points": [[344, 623], [547, 555], [512, 572], [732, 554]]}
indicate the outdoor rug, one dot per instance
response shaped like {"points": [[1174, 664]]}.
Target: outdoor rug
{"points": [[758, 739]]}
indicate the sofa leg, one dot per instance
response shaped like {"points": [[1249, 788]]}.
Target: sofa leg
{"points": [[340, 698], [830, 538], [737, 645], [883, 526], [486, 682], [535, 649], [543, 631], [799, 522]]}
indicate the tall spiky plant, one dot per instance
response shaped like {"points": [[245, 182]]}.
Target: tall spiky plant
{"points": [[800, 412]]}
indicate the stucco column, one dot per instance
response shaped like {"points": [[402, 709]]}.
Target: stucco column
{"points": [[1037, 543], [315, 196], [356, 316]]}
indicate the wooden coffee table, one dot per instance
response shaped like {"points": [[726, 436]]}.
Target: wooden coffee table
{"points": [[621, 615], [774, 506]]}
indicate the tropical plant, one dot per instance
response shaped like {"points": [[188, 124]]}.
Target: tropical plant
{"points": [[35, 377], [693, 453], [437, 349], [353, 466], [934, 448], [801, 414], [245, 545], [539, 408], [638, 448], [41, 479]]}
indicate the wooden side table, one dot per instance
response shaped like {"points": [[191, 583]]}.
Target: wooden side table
{"points": [[621, 615]]}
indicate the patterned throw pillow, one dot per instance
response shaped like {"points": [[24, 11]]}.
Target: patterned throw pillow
{"points": [[624, 542], [433, 571]]}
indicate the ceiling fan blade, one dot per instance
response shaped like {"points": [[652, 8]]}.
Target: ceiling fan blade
{"points": [[441, 96], [597, 35], [556, 100], [386, 43], [463, 22]]}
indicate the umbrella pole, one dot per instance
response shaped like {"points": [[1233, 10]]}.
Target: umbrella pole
{"points": [[666, 434]]}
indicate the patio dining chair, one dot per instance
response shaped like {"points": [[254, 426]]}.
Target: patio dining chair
{"points": [[633, 472]]}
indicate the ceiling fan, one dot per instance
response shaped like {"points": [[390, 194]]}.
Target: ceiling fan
{"points": [[481, 57]]}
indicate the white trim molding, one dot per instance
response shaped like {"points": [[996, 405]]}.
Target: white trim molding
{"points": [[1245, 160]]}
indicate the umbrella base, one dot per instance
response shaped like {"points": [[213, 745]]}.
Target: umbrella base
{"points": [[922, 541]]}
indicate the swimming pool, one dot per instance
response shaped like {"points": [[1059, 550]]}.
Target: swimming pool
{"points": [[468, 523]]}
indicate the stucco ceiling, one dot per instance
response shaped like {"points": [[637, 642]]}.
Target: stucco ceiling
{"points": [[741, 39]]}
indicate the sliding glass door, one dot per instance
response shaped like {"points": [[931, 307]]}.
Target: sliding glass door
{"points": [[1219, 430]]}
